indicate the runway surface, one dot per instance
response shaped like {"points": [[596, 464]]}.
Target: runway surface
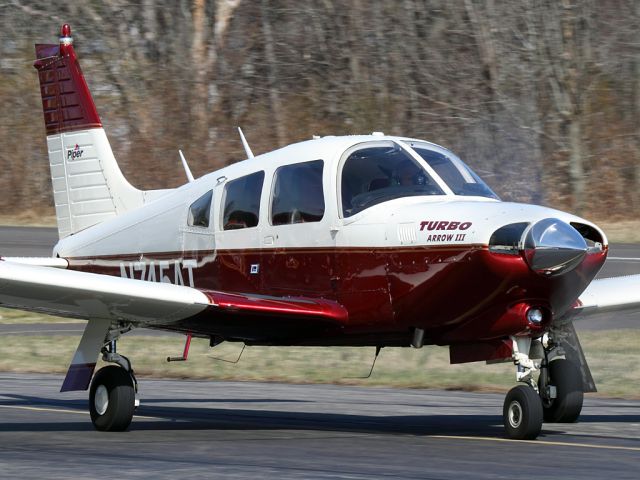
{"points": [[27, 241], [196, 429]]}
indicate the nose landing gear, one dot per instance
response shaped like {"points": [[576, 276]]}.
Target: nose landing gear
{"points": [[556, 397]]}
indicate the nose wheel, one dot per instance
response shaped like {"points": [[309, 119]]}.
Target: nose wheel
{"points": [[556, 397], [112, 399], [522, 413]]}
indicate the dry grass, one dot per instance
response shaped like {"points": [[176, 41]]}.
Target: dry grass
{"points": [[10, 316], [624, 231], [614, 358], [29, 218]]}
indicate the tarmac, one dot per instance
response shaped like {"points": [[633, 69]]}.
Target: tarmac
{"points": [[198, 429]]}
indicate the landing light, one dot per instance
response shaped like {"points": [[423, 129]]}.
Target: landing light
{"points": [[534, 315]]}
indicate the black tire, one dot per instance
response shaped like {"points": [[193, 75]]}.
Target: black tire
{"points": [[566, 407], [112, 399], [522, 413]]}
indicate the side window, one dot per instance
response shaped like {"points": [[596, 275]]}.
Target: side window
{"points": [[242, 202], [297, 193], [199, 211]]}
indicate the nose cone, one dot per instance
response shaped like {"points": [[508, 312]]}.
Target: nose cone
{"points": [[552, 247]]}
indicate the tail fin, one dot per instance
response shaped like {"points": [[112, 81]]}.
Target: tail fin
{"points": [[88, 186]]}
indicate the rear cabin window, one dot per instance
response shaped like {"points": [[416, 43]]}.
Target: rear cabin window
{"points": [[199, 211], [242, 202], [298, 196]]}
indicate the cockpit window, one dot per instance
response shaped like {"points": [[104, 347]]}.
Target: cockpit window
{"points": [[454, 172], [377, 174]]}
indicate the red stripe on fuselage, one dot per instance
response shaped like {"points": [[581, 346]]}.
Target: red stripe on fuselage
{"points": [[456, 293]]}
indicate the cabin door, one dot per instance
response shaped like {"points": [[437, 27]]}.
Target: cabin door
{"points": [[297, 245]]}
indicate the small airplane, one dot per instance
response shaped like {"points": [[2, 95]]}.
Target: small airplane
{"points": [[368, 240]]}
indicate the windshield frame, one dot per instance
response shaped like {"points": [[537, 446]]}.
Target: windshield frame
{"points": [[446, 191], [458, 163]]}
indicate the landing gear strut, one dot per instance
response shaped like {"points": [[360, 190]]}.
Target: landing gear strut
{"points": [[556, 397], [112, 396], [522, 411]]}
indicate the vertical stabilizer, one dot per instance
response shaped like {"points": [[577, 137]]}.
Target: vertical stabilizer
{"points": [[88, 186]]}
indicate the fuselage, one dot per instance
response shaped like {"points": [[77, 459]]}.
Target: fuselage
{"points": [[315, 219]]}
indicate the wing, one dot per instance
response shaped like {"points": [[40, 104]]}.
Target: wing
{"points": [[616, 293], [73, 294], [605, 294], [103, 300]]}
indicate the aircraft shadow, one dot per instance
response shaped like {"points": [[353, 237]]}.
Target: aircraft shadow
{"points": [[193, 418]]}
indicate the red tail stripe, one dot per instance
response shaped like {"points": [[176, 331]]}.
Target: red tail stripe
{"points": [[66, 101]]}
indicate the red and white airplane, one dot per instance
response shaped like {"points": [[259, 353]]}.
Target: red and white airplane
{"points": [[368, 240]]}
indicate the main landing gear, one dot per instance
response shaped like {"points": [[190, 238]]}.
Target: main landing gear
{"points": [[112, 396], [556, 397]]}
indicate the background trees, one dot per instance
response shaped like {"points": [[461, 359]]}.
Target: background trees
{"points": [[541, 97]]}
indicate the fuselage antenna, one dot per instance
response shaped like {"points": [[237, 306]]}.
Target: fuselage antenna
{"points": [[186, 167], [245, 144]]}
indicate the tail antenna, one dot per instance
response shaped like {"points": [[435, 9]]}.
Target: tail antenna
{"points": [[245, 144], [187, 170]]}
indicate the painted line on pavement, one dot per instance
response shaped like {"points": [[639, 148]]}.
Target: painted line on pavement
{"points": [[64, 410], [539, 442]]}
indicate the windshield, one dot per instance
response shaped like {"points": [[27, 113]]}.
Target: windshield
{"points": [[376, 174], [454, 172]]}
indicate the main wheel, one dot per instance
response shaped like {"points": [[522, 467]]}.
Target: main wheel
{"points": [[566, 407], [522, 413], [112, 399]]}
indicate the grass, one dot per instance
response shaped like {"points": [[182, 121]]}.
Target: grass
{"points": [[614, 358], [624, 231], [10, 316], [29, 218]]}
